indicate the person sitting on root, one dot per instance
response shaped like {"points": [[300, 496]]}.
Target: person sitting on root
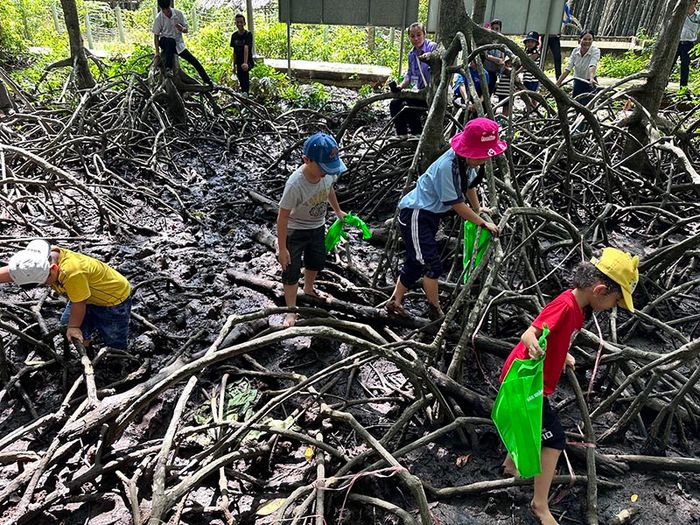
{"points": [[418, 77], [168, 28], [99, 297], [598, 285], [443, 187], [302, 217]]}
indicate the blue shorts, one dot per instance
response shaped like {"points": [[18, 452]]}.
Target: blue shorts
{"points": [[531, 86], [111, 322], [418, 230]]}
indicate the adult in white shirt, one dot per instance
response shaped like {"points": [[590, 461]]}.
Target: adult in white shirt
{"points": [[168, 28], [689, 35], [584, 63]]}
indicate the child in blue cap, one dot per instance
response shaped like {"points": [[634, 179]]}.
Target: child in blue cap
{"points": [[301, 218]]}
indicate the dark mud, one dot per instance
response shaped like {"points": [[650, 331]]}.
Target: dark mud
{"points": [[178, 263]]}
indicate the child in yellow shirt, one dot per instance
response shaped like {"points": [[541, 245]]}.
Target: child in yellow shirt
{"points": [[99, 297]]}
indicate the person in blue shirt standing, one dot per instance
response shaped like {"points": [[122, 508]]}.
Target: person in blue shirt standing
{"points": [[689, 35], [418, 76], [444, 186]]}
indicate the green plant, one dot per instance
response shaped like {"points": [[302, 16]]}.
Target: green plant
{"points": [[366, 90], [629, 63]]}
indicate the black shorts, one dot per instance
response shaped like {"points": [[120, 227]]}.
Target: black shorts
{"points": [[552, 432], [310, 244]]}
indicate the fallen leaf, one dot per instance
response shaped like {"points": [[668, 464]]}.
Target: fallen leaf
{"points": [[309, 454], [634, 498], [270, 507], [462, 460]]}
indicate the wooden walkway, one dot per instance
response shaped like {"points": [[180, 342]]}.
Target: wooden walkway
{"points": [[335, 73]]}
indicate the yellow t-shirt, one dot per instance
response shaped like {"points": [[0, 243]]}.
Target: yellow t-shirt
{"points": [[83, 278]]}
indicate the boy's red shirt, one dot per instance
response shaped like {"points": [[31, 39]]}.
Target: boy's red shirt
{"points": [[564, 317]]}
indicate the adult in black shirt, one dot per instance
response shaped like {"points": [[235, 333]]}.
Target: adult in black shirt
{"points": [[242, 44]]}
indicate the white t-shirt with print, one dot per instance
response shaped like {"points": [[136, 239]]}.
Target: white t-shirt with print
{"points": [[307, 201]]}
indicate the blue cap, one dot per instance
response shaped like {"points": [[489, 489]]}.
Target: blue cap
{"points": [[323, 149]]}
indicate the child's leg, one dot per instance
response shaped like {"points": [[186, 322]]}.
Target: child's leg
{"points": [[553, 442], [399, 292], [543, 482], [412, 269], [314, 258], [430, 287], [290, 299], [309, 280], [290, 276]]}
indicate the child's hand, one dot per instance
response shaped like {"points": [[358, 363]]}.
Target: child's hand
{"points": [[570, 361], [534, 350], [74, 333], [492, 228], [284, 258], [341, 215]]}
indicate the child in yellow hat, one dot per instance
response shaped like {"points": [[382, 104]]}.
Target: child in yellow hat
{"points": [[598, 285]]}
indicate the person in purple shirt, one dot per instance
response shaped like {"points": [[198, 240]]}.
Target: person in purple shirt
{"points": [[418, 76]]}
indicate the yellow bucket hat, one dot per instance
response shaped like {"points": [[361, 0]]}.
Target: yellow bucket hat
{"points": [[621, 267]]}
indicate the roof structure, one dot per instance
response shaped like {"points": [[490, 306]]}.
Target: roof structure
{"points": [[237, 4]]}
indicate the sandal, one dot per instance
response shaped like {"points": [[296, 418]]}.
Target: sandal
{"points": [[395, 308], [435, 312]]}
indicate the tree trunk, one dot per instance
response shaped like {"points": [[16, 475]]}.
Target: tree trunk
{"points": [[651, 94], [453, 19], [81, 69]]}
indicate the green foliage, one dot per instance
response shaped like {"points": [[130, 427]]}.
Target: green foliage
{"points": [[12, 38], [136, 61], [366, 90], [208, 40], [622, 66], [270, 86]]}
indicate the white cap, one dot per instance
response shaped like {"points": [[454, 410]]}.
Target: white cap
{"points": [[31, 265]]}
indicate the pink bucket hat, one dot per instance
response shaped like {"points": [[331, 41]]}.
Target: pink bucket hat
{"points": [[478, 140]]}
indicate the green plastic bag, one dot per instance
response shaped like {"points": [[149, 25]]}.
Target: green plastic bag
{"points": [[470, 230], [336, 231], [517, 411]]}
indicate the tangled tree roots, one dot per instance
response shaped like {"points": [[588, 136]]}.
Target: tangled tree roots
{"points": [[214, 412]]}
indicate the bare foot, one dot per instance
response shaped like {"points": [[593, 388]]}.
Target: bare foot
{"points": [[543, 515], [290, 320]]}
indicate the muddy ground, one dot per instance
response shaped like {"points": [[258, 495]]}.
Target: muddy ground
{"points": [[178, 267]]}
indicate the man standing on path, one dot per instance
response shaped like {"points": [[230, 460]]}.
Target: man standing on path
{"points": [[242, 44], [168, 28], [689, 35]]}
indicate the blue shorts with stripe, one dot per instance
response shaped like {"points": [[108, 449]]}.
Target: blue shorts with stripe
{"points": [[418, 230]]}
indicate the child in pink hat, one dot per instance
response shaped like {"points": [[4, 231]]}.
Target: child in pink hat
{"points": [[446, 185]]}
